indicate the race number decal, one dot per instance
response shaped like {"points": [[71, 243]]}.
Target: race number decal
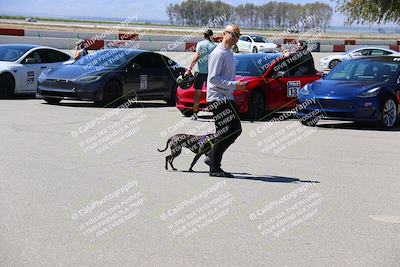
{"points": [[143, 82], [30, 77], [293, 88]]}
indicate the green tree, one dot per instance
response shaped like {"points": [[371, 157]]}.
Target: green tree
{"points": [[369, 11]]}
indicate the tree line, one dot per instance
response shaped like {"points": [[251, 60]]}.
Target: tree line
{"points": [[271, 15]]}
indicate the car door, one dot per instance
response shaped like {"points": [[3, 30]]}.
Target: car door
{"points": [[283, 90], [241, 42], [32, 67], [144, 75], [250, 44], [245, 44]]}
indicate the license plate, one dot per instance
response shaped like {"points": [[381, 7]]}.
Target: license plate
{"points": [[293, 88]]}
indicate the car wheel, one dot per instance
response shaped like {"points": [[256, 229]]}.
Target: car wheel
{"points": [[112, 93], [255, 50], [171, 101], [186, 112], [7, 85], [388, 115], [235, 49], [334, 63], [256, 105], [311, 122], [52, 100]]}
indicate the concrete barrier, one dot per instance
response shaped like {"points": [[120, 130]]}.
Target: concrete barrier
{"points": [[12, 32], [349, 47], [376, 42], [395, 47], [350, 42], [326, 48], [66, 34], [60, 43], [128, 36], [339, 48], [145, 44]]}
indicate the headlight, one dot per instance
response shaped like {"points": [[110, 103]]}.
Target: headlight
{"points": [[371, 92], [89, 79], [304, 90]]}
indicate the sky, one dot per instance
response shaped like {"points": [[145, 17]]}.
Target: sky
{"points": [[143, 9]]}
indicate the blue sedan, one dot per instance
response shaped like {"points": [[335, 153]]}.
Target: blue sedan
{"points": [[364, 89]]}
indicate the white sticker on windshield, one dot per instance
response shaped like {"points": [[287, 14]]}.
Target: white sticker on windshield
{"points": [[143, 82]]}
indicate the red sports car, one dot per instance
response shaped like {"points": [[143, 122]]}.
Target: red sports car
{"points": [[273, 84]]}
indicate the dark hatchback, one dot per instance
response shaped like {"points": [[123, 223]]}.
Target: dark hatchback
{"points": [[110, 75]]}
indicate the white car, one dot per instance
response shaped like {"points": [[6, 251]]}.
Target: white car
{"points": [[254, 44], [30, 19], [331, 61], [21, 65]]}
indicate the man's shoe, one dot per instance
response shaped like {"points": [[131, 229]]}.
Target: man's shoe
{"points": [[194, 116], [221, 173]]}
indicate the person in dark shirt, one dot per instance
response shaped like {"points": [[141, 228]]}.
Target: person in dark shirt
{"points": [[303, 60]]}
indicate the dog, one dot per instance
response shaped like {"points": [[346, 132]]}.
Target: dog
{"points": [[198, 144]]}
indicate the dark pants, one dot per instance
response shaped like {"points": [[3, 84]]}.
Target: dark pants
{"points": [[228, 128]]}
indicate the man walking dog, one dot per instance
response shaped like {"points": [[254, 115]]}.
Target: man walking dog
{"points": [[203, 50], [220, 87]]}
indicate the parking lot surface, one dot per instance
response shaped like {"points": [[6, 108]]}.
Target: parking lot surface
{"points": [[82, 185]]}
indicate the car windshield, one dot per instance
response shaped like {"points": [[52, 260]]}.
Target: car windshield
{"points": [[10, 53], [108, 58], [258, 39], [254, 65], [365, 70]]}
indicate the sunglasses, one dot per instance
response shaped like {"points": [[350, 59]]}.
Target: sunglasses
{"points": [[234, 34]]}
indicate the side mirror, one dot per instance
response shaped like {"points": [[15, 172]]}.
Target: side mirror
{"points": [[31, 61], [280, 74], [135, 66]]}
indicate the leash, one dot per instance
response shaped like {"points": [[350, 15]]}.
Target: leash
{"points": [[208, 140]]}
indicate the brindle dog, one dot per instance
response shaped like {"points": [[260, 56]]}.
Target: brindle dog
{"points": [[198, 144]]}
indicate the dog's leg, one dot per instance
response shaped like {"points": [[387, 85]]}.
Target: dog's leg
{"points": [[196, 158], [173, 156], [172, 165], [166, 161]]}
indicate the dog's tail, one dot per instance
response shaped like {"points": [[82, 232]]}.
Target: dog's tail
{"points": [[169, 140]]}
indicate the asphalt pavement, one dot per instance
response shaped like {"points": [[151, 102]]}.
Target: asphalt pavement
{"points": [[86, 186]]}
